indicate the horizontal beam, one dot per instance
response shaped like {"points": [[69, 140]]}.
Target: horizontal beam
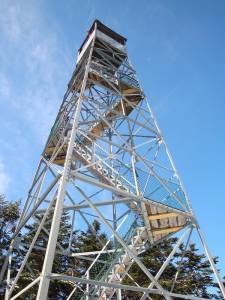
{"points": [[81, 255], [120, 286], [132, 196], [100, 283], [81, 206], [93, 252]]}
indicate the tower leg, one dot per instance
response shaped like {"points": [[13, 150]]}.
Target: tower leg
{"points": [[118, 295], [49, 256], [213, 266]]}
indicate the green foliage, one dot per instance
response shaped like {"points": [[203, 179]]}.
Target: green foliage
{"points": [[33, 268], [90, 240], [194, 276], [9, 214]]}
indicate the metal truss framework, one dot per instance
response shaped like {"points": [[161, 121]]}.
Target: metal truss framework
{"points": [[105, 159]]}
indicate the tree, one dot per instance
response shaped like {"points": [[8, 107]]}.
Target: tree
{"points": [[90, 240], [194, 275], [62, 262], [87, 241], [220, 294], [9, 214]]}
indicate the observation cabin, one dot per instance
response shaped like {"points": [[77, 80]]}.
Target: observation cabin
{"points": [[104, 33]]}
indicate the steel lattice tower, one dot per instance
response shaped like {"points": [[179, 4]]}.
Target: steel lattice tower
{"points": [[105, 158]]}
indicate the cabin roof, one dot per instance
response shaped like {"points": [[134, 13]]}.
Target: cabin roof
{"points": [[106, 30]]}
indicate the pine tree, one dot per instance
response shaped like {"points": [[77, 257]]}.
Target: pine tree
{"points": [[194, 274], [63, 264], [91, 240], [194, 277], [9, 214]]}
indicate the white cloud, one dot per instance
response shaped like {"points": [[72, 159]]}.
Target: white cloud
{"points": [[35, 65], [10, 23], [4, 179], [42, 63], [4, 86]]}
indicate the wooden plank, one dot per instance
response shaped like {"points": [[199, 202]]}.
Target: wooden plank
{"points": [[59, 161], [162, 216], [167, 230]]}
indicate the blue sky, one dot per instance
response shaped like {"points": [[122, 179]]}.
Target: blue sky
{"points": [[178, 49]]}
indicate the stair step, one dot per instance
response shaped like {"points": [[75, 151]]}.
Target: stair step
{"points": [[120, 269]]}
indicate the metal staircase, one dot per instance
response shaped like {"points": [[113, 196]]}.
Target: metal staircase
{"points": [[121, 268], [119, 263]]}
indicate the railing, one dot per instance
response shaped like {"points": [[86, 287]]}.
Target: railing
{"points": [[114, 77], [102, 168], [102, 273], [102, 71]]}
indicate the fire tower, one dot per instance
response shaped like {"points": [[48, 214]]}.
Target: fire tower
{"points": [[105, 159]]}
